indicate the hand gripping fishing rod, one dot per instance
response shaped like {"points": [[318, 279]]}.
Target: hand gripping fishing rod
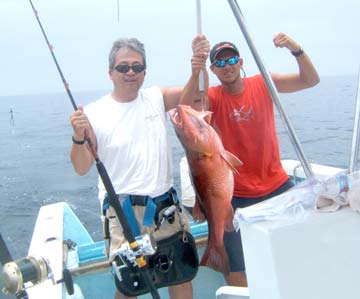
{"points": [[113, 199]]}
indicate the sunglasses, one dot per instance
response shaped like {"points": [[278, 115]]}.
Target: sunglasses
{"points": [[231, 61], [124, 68]]}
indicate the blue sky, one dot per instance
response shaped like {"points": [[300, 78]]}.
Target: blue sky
{"points": [[82, 32]]}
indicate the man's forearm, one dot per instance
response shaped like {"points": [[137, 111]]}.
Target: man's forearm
{"points": [[307, 71], [81, 158], [191, 94]]}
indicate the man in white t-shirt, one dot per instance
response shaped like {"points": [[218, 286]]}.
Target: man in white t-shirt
{"points": [[128, 130]]}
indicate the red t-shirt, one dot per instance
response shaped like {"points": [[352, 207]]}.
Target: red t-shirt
{"points": [[246, 125]]}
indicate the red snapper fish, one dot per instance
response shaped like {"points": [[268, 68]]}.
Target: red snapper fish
{"points": [[211, 168]]}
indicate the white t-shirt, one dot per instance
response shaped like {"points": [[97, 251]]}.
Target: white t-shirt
{"points": [[132, 143]]}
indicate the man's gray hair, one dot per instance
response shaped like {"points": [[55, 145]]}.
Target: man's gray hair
{"points": [[130, 43]]}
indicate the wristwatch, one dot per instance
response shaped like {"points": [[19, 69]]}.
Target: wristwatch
{"points": [[298, 52], [77, 141]]}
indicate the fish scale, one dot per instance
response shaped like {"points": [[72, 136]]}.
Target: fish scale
{"points": [[211, 168]]}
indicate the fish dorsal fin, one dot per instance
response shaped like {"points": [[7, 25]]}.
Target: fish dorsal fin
{"points": [[231, 160]]}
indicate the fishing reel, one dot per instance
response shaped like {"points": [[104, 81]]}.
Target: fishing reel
{"points": [[147, 247], [27, 272], [174, 261], [125, 253], [125, 258]]}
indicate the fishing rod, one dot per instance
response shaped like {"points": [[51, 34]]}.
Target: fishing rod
{"points": [[271, 87], [113, 198], [66, 85]]}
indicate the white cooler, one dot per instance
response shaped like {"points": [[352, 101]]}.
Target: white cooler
{"points": [[316, 258]]}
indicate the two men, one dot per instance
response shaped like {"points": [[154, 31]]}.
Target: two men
{"points": [[129, 133]]}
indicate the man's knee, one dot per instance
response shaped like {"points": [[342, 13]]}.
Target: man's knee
{"points": [[181, 291], [237, 279]]}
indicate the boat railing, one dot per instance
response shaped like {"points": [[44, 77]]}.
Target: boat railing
{"points": [[356, 132]]}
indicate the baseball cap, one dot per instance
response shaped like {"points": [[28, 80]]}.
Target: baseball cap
{"points": [[220, 47]]}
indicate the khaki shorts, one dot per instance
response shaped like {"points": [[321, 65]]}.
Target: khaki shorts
{"points": [[166, 229]]}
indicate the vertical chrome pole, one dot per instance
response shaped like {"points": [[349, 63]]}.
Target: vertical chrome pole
{"points": [[271, 87], [356, 132], [201, 74]]}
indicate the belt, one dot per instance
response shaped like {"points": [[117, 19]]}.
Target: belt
{"points": [[140, 200], [153, 206]]}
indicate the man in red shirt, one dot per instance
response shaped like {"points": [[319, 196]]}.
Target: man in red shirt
{"points": [[243, 115]]}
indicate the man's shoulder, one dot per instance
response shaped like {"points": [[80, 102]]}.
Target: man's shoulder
{"points": [[151, 91], [97, 104], [213, 90], [257, 81], [252, 78], [152, 95]]}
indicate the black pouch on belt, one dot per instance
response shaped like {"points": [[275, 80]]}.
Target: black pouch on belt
{"points": [[175, 262]]}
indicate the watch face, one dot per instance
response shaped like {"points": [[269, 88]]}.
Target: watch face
{"points": [[298, 52]]}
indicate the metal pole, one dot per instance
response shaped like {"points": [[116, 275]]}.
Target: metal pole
{"points": [[201, 74], [271, 87], [356, 132]]}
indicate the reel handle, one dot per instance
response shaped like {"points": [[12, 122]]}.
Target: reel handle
{"points": [[68, 281]]}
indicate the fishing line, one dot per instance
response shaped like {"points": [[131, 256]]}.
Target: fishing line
{"points": [[113, 198], [12, 120]]}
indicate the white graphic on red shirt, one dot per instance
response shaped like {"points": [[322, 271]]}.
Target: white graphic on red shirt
{"points": [[241, 114]]}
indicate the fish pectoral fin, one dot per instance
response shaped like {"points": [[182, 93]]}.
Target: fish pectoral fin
{"points": [[228, 225], [216, 258], [231, 160], [197, 213]]}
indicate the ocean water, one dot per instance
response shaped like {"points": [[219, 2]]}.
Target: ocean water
{"points": [[35, 167]]}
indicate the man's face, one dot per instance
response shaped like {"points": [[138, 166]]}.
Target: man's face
{"points": [[229, 73], [130, 80]]}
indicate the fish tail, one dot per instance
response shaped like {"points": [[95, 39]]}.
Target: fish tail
{"points": [[216, 259]]}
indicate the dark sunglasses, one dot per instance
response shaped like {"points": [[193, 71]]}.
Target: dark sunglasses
{"points": [[124, 68], [231, 61]]}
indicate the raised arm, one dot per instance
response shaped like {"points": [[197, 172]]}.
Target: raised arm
{"points": [[191, 94], [81, 156], [307, 75]]}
